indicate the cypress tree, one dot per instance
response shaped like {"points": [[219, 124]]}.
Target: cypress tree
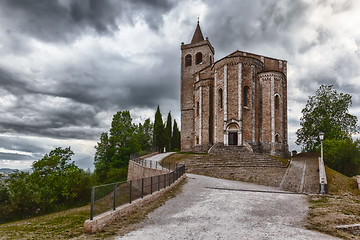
{"points": [[175, 139], [158, 131], [168, 133]]}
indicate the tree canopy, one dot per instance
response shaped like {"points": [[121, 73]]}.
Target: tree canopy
{"points": [[328, 112]]}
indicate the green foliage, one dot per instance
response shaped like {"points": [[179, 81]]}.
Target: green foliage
{"points": [[159, 142], [175, 139], [144, 135], [342, 155], [113, 152], [55, 183], [326, 112], [168, 133]]}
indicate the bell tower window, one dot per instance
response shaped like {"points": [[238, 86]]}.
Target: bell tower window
{"points": [[220, 98], [246, 96], [188, 60], [198, 58]]}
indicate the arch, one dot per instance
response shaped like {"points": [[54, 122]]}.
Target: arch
{"points": [[188, 60], [198, 58], [246, 96], [220, 101], [233, 127], [277, 101], [277, 138], [232, 134]]}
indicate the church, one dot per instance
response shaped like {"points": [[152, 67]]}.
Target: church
{"points": [[239, 100]]}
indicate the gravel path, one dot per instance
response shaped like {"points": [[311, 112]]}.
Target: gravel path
{"points": [[153, 161], [243, 211]]}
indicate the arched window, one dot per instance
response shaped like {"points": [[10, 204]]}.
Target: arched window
{"points": [[277, 101], [188, 60], [277, 138], [246, 96], [197, 108], [220, 98], [198, 58], [210, 60]]}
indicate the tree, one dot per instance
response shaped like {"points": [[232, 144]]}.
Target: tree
{"points": [[326, 112], [343, 155], [168, 133], [158, 131], [59, 179], [175, 139], [144, 135], [102, 159], [114, 151]]}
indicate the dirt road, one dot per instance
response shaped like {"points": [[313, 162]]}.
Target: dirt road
{"points": [[211, 208]]}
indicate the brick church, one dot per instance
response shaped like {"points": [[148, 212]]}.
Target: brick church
{"points": [[238, 100]]}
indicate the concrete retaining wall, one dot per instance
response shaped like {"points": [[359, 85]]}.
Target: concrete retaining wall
{"points": [[101, 221]]}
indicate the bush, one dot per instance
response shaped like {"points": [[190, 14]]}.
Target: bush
{"points": [[342, 156]]}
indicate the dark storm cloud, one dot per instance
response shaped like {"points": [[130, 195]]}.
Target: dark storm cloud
{"points": [[56, 21], [250, 24], [14, 156]]}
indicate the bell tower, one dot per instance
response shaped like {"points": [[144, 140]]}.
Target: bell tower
{"points": [[195, 56]]}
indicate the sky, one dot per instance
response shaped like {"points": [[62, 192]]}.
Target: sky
{"points": [[67, 66]]}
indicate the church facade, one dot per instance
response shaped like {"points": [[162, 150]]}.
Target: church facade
{"points": [[238, 100]]}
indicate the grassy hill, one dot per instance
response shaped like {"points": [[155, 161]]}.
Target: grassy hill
{"points": [[340, 207]]}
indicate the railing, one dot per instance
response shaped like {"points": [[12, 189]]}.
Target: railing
{"points": [[152, 164], [323, 187], [110, 196]]}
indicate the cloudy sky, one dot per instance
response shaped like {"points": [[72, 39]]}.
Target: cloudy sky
{"points": [[67, 66]]}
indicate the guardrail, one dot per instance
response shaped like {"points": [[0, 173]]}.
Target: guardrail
{"points": [[323, 186], [151, 164], [110, 196]]}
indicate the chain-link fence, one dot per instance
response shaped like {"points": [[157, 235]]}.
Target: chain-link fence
{"points": [[109, 196]]}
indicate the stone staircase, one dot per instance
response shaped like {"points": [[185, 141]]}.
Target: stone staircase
{"points": [[233, 157]]}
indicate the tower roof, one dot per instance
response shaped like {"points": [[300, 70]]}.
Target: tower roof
{"points": [[198, 36]]}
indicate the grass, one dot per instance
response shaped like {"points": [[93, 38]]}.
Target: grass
{"points": [[284, 161], [70, 223], [61, 225], [340, 207]]}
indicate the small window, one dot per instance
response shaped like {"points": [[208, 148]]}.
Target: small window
{"points": [[197, 141], [246, 96], [210, 60], [188, 60], [277, 101], [198, 58], [220, 98], [197, 108], [277, 138]]}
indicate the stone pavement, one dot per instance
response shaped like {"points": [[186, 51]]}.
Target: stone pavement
{"points": [[210, 208]]}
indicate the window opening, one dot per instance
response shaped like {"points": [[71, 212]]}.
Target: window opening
{"points": [[198, 58], [246, 97], [188, 60]]}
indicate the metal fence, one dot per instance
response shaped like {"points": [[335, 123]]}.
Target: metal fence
{"points": [[109, 196], [153, 164]]}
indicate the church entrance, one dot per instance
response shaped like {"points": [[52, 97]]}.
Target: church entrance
{"points": [[233, 139]]}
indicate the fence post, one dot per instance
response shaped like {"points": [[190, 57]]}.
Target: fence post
{"points": [[114, 203], [169, 167], [158, 183], [92, 203], [150, 164], [142, 187], [156, 165], [130, 192], [151, 181]]}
